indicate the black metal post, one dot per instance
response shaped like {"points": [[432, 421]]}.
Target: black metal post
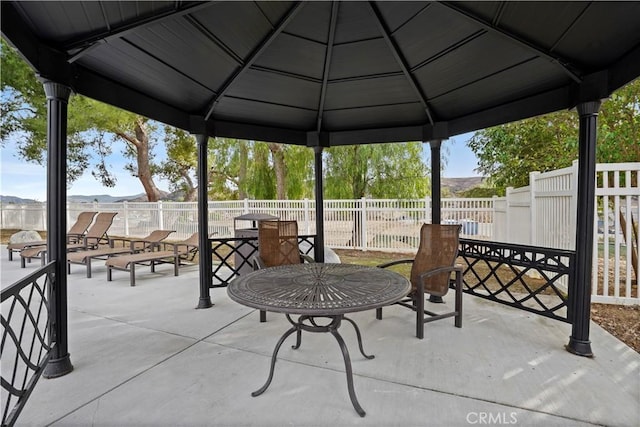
{"points": [[580, 291], [436, 194], [203, 223], [436, 190], [57, 99], [319, 241]]}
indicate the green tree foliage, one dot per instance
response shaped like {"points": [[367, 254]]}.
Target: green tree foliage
{"points": [[394, 170], [508, 153], [92, 127], [182, 162], [261, 176], [225, 158], [279, 171], [299, 172]]}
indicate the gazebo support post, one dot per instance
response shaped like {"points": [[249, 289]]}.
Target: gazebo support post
{"points": [[436, 190], [204, 262], [436, 194], [580, 295], [319, 189], [57, 103]]}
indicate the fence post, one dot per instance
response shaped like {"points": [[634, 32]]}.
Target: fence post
{"points": [[307, 215], [573, 204], [125, 211], [246, 206], [533, 214], [427, 209], [44, 217], [363, 229], [160, 216], [507, 215]]}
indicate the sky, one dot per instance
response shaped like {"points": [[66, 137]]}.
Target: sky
{"points": [[28, 180]]}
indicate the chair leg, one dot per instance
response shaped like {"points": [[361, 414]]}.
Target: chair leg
{"points": [[132, 274], [458, 319], [419, 301]]}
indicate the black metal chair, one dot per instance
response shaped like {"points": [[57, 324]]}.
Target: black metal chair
{"points": [[431, 272]]}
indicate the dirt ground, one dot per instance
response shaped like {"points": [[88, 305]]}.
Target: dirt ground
{"points": [[621, 321]]}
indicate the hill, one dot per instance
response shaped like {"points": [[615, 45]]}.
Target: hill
{"points": [[458, 185], [16, 200]]}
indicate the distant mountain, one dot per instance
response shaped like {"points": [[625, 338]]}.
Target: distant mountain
{"points": [[100, 198], [457, 185], [103, 198], [16, 200]]}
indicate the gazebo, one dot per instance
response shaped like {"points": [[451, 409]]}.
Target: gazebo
{"points": [[324, 74]]}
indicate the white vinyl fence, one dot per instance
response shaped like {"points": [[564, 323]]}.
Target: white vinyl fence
{"points": [[544, 214], [541, 214]]}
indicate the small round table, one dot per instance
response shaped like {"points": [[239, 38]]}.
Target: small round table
{"points": [[318, 290]]}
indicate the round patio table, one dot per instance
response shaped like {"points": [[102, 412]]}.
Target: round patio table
{"points": [[314, 291]]}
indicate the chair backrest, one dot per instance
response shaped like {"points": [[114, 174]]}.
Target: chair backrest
{"points": [[101, 225], [192, 240], [157, 236], [438, 248], [151, 240], [278, 243], [83, 222]]}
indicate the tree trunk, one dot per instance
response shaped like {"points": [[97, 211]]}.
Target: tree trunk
{"points": [[190, 190], [243, 153], [140, 144], [143, 162], [278, 166]]}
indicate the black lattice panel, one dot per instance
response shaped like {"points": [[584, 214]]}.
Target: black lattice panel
{"points": [[234, 254], [526, 277], [26, 343]]}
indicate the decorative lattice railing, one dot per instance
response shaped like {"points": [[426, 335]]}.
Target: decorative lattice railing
{"points": [[530, 278], [233, 256], [26, 344]]}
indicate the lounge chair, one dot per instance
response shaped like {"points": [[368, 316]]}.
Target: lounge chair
{"points": [[78, 230], [74, 235], [179, 251], [96, 235], [126, 246]]}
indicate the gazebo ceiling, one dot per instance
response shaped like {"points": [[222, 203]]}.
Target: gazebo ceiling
{"points": [[332, 73]]}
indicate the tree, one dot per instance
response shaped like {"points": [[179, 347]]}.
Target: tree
{"points": [[382, 171], [227, 160], [394, 170], [91, 128], [182, 162], [507, 153], [279, 171]]}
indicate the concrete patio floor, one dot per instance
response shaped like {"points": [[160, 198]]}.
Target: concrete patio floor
{"points": [[144, 356]]}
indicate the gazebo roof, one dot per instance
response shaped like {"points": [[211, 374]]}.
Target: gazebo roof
{"points": [[332, 73]]}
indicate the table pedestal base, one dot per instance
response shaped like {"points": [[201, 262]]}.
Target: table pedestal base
{"points": [[313, 326]]}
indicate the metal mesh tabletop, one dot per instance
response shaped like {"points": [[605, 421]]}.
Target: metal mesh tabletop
{"points": [[318, 289]]}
